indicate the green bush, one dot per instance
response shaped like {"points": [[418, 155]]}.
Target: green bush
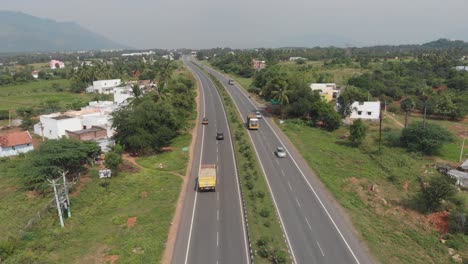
{"points": [[458, 221], [265, 212], [427, 138]]}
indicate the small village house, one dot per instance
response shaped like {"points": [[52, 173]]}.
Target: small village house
{"points": [[105, 86], [15, 143], [327, 91], [258, 64], [365, 111], [56, 64], [35, 74]]}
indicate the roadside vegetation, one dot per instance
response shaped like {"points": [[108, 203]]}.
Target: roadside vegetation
{"points": [[265, 232], [125, 218], [400, 203]]}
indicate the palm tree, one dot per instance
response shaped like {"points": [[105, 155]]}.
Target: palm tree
{"points": [[282, 95], [407, 106]]}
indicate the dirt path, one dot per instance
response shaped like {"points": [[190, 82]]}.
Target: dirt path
{"points": [[170, 243], [390, 116]]}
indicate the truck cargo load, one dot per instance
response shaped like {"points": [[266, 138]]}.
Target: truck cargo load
{"points": [[252, 122], [207, 177]]}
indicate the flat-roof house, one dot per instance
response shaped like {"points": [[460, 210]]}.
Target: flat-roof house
{"points": [[35, 74], [122, 95], [15, 143], [328, 91], [92, 133], [106, 86], [258, 64], [365, 110], [54, 126]]}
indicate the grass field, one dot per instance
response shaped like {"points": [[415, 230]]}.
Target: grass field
{"points": [[34, 93], [98, 226], [394, 232]]}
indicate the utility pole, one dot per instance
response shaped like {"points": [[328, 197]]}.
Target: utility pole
{"points": [[380, 127], [9, 118], [65, 189], [463, 146], [59, 209]]}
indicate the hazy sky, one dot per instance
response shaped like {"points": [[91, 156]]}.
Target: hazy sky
{"points": [[255, 23]]}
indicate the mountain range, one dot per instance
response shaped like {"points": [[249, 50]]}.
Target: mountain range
{"points": [[21, 32]]}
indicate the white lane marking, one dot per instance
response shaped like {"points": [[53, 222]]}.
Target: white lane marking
{"points": [[217, 238], [308, 223], [308, 183], [217, 196], [269, 187], [199, 166], [237, 182], [299, 204], [289, 184], [282, 172], [320, 248], [217, 215], [277, 162]]}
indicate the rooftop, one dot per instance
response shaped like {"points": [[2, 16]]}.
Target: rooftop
{"points": [[15, 139], [61, 117], [84, 131]]}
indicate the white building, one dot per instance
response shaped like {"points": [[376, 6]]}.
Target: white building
{"points": [[15, 143], [295, 58], [328, 91], [461, 68], [365, 110], [35, 74], [53, 126], [106, 86], [122, 95]]}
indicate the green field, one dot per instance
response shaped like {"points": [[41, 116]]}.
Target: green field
{"points": [[98, 226], [34, 93], [394, 232]]}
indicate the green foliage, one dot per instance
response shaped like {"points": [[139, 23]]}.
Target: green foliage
{"points": [[56, 156], [78, 86], [347, 98], [357, 132], [427, 138], [458, 221], [113, 160], [147, 126], [407, 106], [7, 248], [439, 188]]}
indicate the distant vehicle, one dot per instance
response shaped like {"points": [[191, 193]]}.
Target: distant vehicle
{"points": [[205, 121], [258, 114], [280, 152], [219, 136], [207, 177], [252, 122], [231, 82]]}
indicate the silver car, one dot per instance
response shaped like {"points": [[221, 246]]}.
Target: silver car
{"points": [[280, 152], [258, 114]]}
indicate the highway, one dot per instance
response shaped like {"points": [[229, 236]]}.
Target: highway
{"points": [[212, 228], [316, 228]]}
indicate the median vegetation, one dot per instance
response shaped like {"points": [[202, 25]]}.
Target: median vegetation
{"points": [[264, 229]]}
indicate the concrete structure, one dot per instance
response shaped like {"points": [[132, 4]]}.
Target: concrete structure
{"points": [[464, 166], [461, 68], [328, 91], [296, 58], [91, 133], [138, 53], [258, 64], [122, 95], [106, 86], [15, 143], [35, 74], [365, 110], [56, 64], [105, 107], [460, 177], [53, 126]]}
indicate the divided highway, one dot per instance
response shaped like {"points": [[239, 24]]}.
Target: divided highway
{"points": [[212, 228], [315, 228]]}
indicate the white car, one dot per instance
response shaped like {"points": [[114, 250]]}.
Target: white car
{"points": [[280, 152], [258, 114]]}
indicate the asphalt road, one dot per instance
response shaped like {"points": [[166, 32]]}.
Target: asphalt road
{"points": [[316, 228], [212, 226]]}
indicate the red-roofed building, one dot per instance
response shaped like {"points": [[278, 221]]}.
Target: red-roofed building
{"points": [[15, 143]]}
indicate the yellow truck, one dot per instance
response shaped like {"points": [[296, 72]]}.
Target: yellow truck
{"points": [[252, 122], [207, 177]]}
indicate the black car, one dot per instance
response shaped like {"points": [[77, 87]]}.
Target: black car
{"points": [[219, 136]]}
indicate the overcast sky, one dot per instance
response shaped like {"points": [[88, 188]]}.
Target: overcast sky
{"points": [[257, 23]]}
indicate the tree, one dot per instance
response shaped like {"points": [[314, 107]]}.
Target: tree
{"points": [[113, 158], [358, 132], [145, 127], [407, 106], [438, 189], [53, 157], [427, 138], [282, 95], [347, 98]]}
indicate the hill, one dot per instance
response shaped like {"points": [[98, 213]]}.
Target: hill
{"points": [[21, 32]]}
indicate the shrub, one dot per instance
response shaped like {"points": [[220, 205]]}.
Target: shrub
{"points": [[427, 139], [439, 188], [265, 212], [458, 222], [358, 132]]}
